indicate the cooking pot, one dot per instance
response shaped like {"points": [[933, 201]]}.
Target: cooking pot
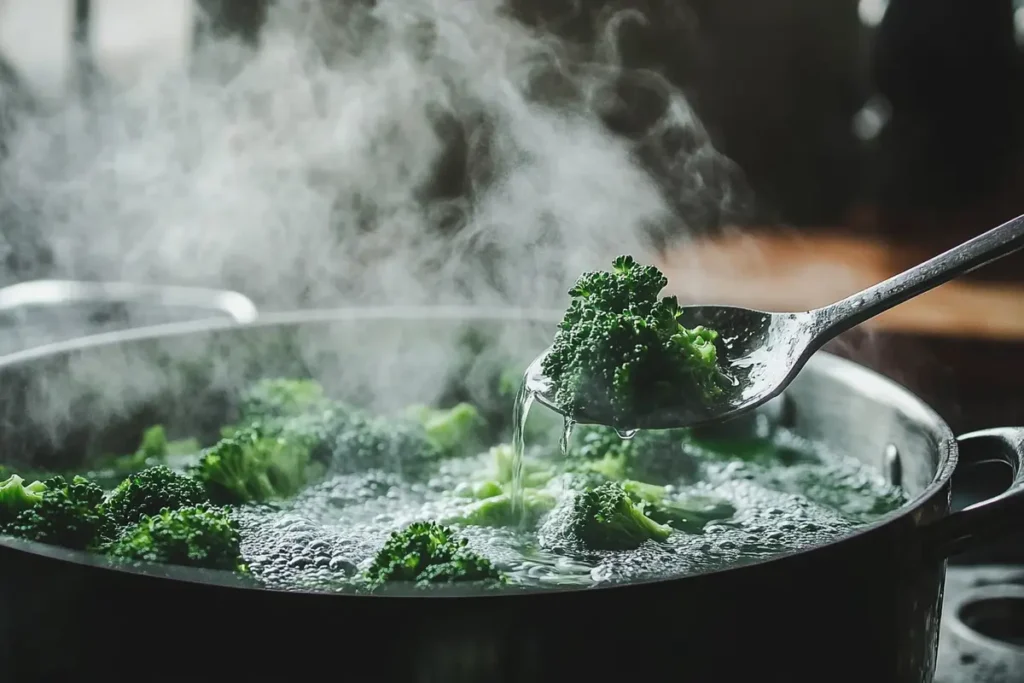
{"points": [[38, 311], [865, 607]]}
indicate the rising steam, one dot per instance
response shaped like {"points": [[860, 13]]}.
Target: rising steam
{"points": [[416, 151], [408, 152]]}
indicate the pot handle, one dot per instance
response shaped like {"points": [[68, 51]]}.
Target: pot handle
{"points": [[992, 518]]}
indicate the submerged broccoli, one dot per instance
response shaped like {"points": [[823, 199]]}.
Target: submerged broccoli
{"points": [[535, 472], [149, 491], [621, 353], [68, 514], [251, 466], [606, 518], [197, 536], [16, 495], [270, 399], [361, 441], [690, 513], [496, 510], [426, 553], [653, 456]]}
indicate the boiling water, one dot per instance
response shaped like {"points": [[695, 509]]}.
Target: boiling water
{"points": [[783, 502]]}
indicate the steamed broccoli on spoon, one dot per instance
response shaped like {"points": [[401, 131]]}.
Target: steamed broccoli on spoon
{"points": [[625, 358]]}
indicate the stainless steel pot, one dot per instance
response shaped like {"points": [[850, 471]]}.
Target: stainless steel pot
{"points": [[39, 311], [864, 607]]}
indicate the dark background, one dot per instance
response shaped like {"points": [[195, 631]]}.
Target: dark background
{"points": [[781, 85]]}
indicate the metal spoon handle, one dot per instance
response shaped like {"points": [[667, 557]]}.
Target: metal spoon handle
{"points": [[836, 318]]}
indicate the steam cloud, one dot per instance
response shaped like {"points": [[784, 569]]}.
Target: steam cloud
{"points": [[408, 152], [412, 151]]}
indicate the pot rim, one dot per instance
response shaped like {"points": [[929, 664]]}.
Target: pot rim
{"points": [[868, 381]]}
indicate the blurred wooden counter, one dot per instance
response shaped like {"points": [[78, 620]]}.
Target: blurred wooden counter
{"points": [[960, 346], [790, 272]]}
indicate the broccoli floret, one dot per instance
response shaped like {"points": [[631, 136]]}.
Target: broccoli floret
{"points": [[361, 442], [456, 431], [620, 352], [154, 442], [689, 513], [16, 495], [478, 490], [150, 491], [606, 518], [426, 553], [197, 536], [653, 456], [496, 511], [297, 411], [154, 449], [535, 472], [70, 515], [251, 466], [270, 399]]}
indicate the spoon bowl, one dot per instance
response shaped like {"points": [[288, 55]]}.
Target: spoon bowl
{"points": [[760, 353]]}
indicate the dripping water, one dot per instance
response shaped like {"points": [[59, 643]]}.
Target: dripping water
{"points": [[566, 439], [520, 413]]}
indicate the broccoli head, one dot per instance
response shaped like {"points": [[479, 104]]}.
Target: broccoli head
{"points": [[455, 431], [150, 491], [659, 456], [360, 442], [154, 448], [196, 536], [480, 490], [621, 353], [689, 513], [606, 518], [16, 495], [271, 399], [426, 553], [68, 514], [251, 466]]}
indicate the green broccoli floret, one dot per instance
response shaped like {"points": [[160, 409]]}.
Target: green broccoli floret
{"points": [[606, 518], [659, 456], [154, 442], [496, 511], [70, 515], [150, 491], [478, 490], [251, 466], [535, 472], [426, 552], [620, 352], [197, 536], [270, 399], [16, 495], [690, 513], [361, 442], [456, 431], [155, 448]]}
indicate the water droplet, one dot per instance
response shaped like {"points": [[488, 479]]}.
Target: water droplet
{"points": [[626, 433]]}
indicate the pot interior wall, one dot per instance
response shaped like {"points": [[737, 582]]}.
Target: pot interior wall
{"points": [[62, 409]]}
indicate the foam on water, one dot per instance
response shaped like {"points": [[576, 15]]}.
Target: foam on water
{"points": [[788, 495]]}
